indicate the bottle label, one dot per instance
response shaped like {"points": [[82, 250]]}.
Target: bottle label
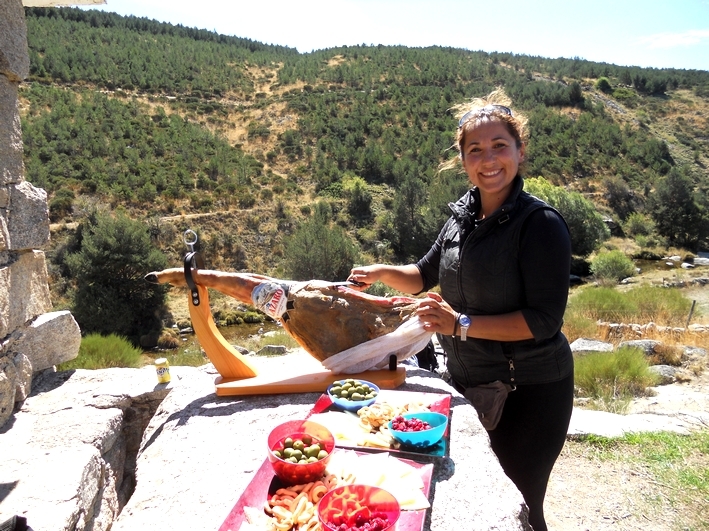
{"points": [[270, 298]]}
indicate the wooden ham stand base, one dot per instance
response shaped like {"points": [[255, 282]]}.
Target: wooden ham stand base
{"points": [[240, 375], [301, 373]]}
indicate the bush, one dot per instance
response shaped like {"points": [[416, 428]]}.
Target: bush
{"points": [[612, 266], [168, 340], [666, 307], [586, 225], [111, 295], [638, 224], [319, 249], [104, 352], [604, 85], [613, 378]]}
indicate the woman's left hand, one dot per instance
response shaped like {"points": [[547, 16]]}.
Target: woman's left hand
{"points": [[436, 314]]}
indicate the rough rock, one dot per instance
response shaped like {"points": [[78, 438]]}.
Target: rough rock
{"points": [[26, 292], [65, 453], [23, 377], [198, 453], [666, 373], [272, 350], [602, 423], [693, 354], [8, 388], [648, 346], [28, 217], [11, 164], [52, 338], [583, 345], [14, 57]]}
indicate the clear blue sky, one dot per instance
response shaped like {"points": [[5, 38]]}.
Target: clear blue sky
{"points": [[647, 33]]}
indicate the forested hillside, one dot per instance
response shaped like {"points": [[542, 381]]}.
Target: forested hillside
{"points": [[167, 121]]}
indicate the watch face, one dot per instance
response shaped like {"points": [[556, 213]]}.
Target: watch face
{"points": [[464, 320]]}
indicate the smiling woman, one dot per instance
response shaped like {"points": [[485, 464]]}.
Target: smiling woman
{"points": [[502, 263]]}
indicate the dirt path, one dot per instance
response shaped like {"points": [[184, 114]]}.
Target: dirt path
{"points": [[588, 493]]}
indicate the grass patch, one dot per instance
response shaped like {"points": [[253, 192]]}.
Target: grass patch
{"points": [[280, 337], [612, 379], [677, 465], [104, 352], [192, 355], [185, 357], [663, 306]]}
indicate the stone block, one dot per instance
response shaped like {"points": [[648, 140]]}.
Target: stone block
{"points": [[4, 233], [28, 217], [51, 339], [24, 291], [24, 376], [14, 55], [583, 345], [8, 386], [11, 165]]}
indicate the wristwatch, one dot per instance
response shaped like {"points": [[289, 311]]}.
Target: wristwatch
{"points": [[464, 322]]}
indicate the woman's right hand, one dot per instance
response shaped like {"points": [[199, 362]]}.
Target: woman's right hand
{"points": [[365, 276]]}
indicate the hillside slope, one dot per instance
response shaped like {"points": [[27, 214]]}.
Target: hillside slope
{"points": [[170, 122]]}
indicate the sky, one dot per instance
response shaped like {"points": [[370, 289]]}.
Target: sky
{"points": [[646, 33]]}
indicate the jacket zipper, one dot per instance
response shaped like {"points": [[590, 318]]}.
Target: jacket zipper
{"points": [[464, 304]]}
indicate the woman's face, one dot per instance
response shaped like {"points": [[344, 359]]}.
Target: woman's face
{"points": [[491, 159]]}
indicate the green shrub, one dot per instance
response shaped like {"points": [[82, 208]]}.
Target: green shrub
{"points": [[604, 85], [612, 379], [660, 305], [586, 225], [111, 294], [604, 304], [612, 266], [104, 352], [168, 340], [253, 317], [667, 307], [256, 343], [638, 224]]}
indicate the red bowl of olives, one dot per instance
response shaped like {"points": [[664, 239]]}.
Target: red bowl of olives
{"points": [[299, 451]]}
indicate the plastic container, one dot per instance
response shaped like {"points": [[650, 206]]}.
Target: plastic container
{"points": [[356, 504], [299, 473], [349, 404], [424, 438]]}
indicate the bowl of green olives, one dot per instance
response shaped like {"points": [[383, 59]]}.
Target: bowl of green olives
{"points": [[351, 394], [299, 451]]}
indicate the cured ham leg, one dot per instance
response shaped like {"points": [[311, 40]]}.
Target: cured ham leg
{"points": [[328, 320]]}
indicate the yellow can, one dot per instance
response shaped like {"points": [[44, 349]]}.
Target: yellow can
{"points": [[163, 369]]}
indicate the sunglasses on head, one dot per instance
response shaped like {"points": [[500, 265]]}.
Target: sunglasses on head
{"points": [[484, 110]]}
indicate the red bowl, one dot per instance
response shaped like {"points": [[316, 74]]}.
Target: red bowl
{"points": [[299, 473], [353, 505]]}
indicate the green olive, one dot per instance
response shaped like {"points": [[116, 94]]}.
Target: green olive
{"points": [[288, 443], [298, 445]]}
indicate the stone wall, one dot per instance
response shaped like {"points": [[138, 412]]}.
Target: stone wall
{"points": [[32, 338]]}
